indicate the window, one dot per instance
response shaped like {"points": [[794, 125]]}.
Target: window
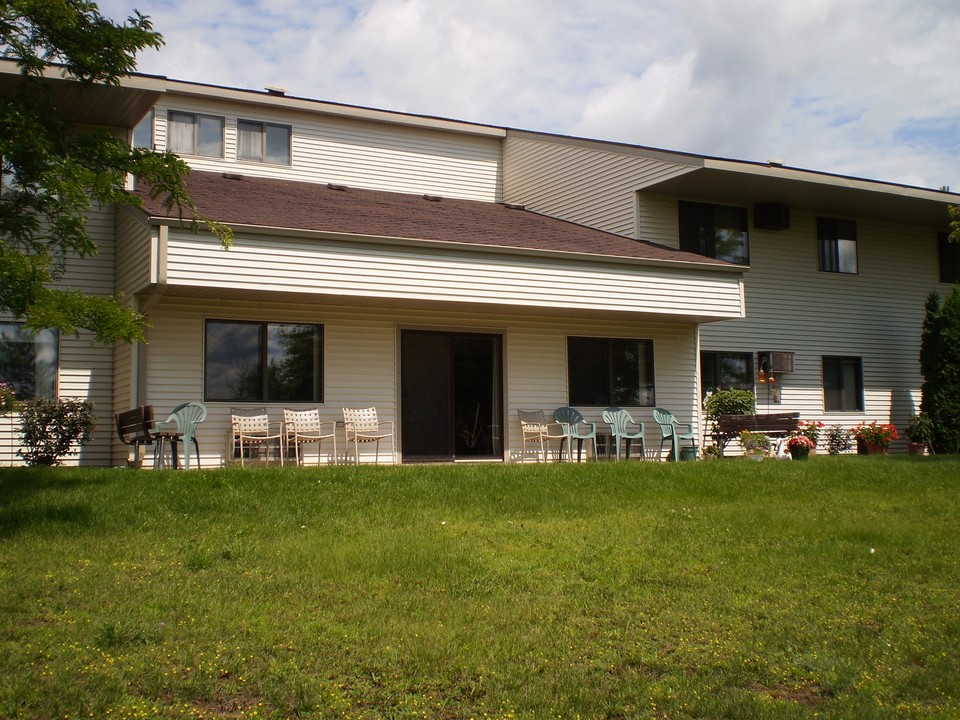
{"points": [[263, 142], [842, 384], [717, 231], [143, 132], [190, 134], [28, 362], [949, 259], [263, 362], [610, 371], [837, 245], [726, 371]]}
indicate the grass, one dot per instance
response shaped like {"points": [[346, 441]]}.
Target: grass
{"points": [[826, 589]]}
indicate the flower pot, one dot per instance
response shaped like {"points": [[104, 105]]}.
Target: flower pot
{"points": [[917, 448], [874, 449], [799, 453]]}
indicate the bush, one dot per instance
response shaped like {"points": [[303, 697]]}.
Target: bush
{"points": [[730, 402], [53, 428], [920, 429], [838, 440], [940, 366], [727, 402]]}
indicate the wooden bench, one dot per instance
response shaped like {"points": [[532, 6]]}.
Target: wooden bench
{"points": [[137, 427], [729, 427]]}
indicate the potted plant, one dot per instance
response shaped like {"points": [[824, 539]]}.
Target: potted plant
{"points": [[755, 445], [800, 446], [919, 433], [809, 429], [875, 437]]}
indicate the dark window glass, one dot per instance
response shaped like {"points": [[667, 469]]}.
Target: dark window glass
{"points": [[726, 371], [842, 384], [717, 231], [837, 245], [263, 362], [28, 362], [949, 259], [610, 371]]}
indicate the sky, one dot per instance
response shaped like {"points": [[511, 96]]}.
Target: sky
{"points": [[868, 88]]}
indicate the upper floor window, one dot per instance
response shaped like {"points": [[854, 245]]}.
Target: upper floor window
{"points": [[192, 134], [143, 132], [726, 371], [610, 371], [263, 362], [949, 259], [837, 245], [842, 384], [717, 231], [263, 142], [28, 362]]}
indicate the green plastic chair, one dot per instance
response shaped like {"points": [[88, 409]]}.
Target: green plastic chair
{"points": [[577, 428], [186, 417], [670, 430], [619, 421]]}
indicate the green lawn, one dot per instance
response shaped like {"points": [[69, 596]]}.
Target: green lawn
{"points": [[725, 589]]}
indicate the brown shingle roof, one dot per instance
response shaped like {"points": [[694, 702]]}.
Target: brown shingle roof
{"points": [[237, 200]]}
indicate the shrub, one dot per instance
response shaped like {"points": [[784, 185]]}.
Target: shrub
{"points": [[940, 366], [730, 402], [920, 429], [838, 440], [727, 402], [53, 428]]}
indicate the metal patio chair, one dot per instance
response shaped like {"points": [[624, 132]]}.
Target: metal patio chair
{"points": [[536, 429], [304, 427], [362, 426]]}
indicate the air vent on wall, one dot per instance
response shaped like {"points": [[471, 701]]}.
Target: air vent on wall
{"points": [[779, 362], [771, 216]]}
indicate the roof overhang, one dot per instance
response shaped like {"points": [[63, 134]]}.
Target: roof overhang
{"points": [[121, 106], [742, 183]]}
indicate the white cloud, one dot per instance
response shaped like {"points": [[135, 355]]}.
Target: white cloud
{"points": [[862, 87]]}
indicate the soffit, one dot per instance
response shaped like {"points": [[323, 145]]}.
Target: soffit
{"points": [[104, 105], [743, 184]]}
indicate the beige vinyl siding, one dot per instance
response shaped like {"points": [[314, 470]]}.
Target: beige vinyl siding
{"points": [[361, 365], [356, 153], [86, 367], [133, 254], [585, 185], [445, 274], [875, 314], [657, 219]]}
